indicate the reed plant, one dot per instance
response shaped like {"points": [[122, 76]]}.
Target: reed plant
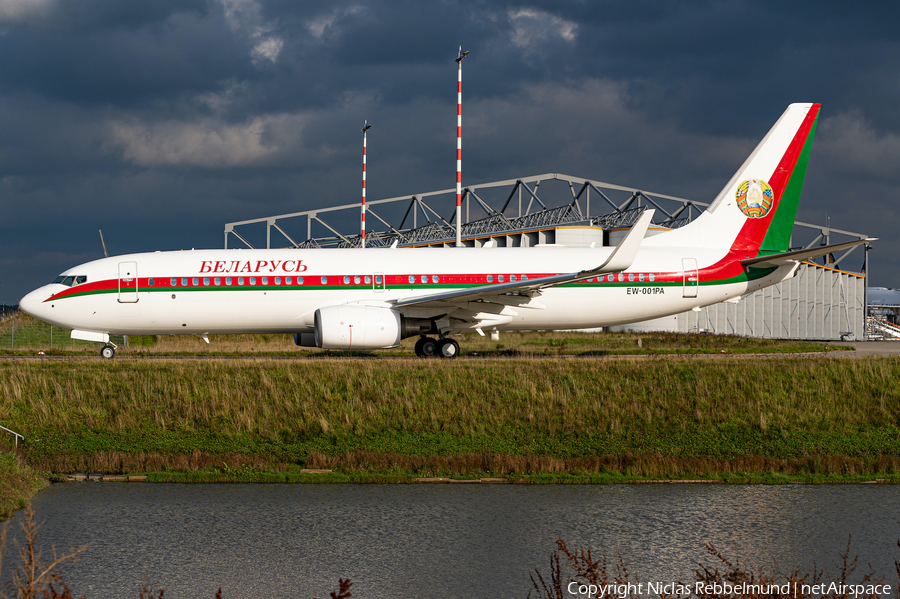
{"points": [[725, 577]]}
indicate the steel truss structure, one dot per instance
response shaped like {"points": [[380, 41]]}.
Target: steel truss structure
{"points": [[508, 224]]}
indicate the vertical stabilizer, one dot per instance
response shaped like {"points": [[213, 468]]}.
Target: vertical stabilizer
{"points": [[754, 213]]}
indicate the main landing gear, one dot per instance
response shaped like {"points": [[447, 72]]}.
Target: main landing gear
{"points": [[427, 347], [108, 352]]}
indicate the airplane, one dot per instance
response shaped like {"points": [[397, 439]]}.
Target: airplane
{"points": [[365, 299]]}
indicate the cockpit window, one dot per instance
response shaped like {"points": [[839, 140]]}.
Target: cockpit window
{"points": [[59, 279], [68, 281], [80, 279]]}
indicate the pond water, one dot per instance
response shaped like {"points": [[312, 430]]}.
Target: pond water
{"points": [[440, 541]]}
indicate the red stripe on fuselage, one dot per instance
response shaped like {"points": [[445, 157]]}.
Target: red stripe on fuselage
{"points": [[391, 282]]}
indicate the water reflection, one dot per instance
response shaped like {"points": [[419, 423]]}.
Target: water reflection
{"points": [[439, 541]]}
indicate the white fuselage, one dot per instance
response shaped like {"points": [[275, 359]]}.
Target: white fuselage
{"points": [[247, 291]]}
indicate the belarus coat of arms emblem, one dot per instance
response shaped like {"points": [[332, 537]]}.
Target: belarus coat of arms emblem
{"points": [[754, 198]]}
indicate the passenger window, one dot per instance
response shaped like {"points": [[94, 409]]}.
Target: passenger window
{"points": [[228, 280], [368, 280], [184, 282], [346, 280], [206, 280], [265, 280], [412, 279], [500, 278], [524, 277], [195, 281], [324, 280], [287, 280], [278, 280], [512, 278], [490, 278], [621, 277], [173, 282], [631, 276], [641, 276], [240, 280], [356, 280], [652, 277], [378, 279], [610, 278], [434, 278], [424, 278], [299, 280], [80, 280], [150, 282], [218, 280], [253, 280]]}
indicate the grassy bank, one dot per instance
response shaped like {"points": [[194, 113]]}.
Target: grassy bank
{"points": [[18, 483], [654, 417], [23, 335]]}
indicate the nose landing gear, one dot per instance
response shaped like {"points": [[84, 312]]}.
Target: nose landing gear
{"points": [[107, 352]]}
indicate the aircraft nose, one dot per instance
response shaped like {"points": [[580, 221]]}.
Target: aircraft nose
{"points": [[33, 303]]}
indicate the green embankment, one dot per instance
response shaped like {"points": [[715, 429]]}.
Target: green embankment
{"points": [[594, 419], [18, 483]]}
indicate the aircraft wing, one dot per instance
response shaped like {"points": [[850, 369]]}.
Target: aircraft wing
{"points": [[782, 259], [621, 259]]}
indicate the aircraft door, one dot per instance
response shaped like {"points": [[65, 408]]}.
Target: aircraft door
{"points": [[691, 276], [128, 283], [378, 282]]}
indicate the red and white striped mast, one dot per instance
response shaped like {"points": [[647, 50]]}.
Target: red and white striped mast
{"points": [[459, 60], [362, 221]]}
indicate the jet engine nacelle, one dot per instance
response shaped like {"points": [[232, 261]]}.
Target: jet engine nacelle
{"points": [[357, 327]]}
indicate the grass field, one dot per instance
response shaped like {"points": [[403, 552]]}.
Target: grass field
{"points": [[654, 417], [23, 335]]}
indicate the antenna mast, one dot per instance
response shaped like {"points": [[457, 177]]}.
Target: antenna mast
{"points": [[459, 60], [362, 222]]}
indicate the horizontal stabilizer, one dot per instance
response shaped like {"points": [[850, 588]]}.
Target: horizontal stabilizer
{"points": [[782, 259]]}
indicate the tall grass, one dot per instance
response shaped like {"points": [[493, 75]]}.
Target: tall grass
{"points": [[282, 411]]}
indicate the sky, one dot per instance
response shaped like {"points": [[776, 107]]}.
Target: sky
{"points": [[158, 122]]}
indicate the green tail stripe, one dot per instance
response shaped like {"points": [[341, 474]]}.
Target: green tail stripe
{"points": [[778, 237]]}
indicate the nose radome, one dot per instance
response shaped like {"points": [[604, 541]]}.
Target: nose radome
{"points": [[33, 303]]}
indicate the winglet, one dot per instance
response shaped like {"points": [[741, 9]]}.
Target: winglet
{"points": [[624, 254]]}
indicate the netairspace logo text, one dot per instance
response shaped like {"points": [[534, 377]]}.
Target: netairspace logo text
{"points": [[674, 589]]}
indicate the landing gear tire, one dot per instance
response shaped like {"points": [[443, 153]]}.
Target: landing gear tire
{"points": [[107, 352], [447, 348], [426, 347]]}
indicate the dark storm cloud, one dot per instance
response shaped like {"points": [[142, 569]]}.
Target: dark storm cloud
{"points": [[158, 122]]}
